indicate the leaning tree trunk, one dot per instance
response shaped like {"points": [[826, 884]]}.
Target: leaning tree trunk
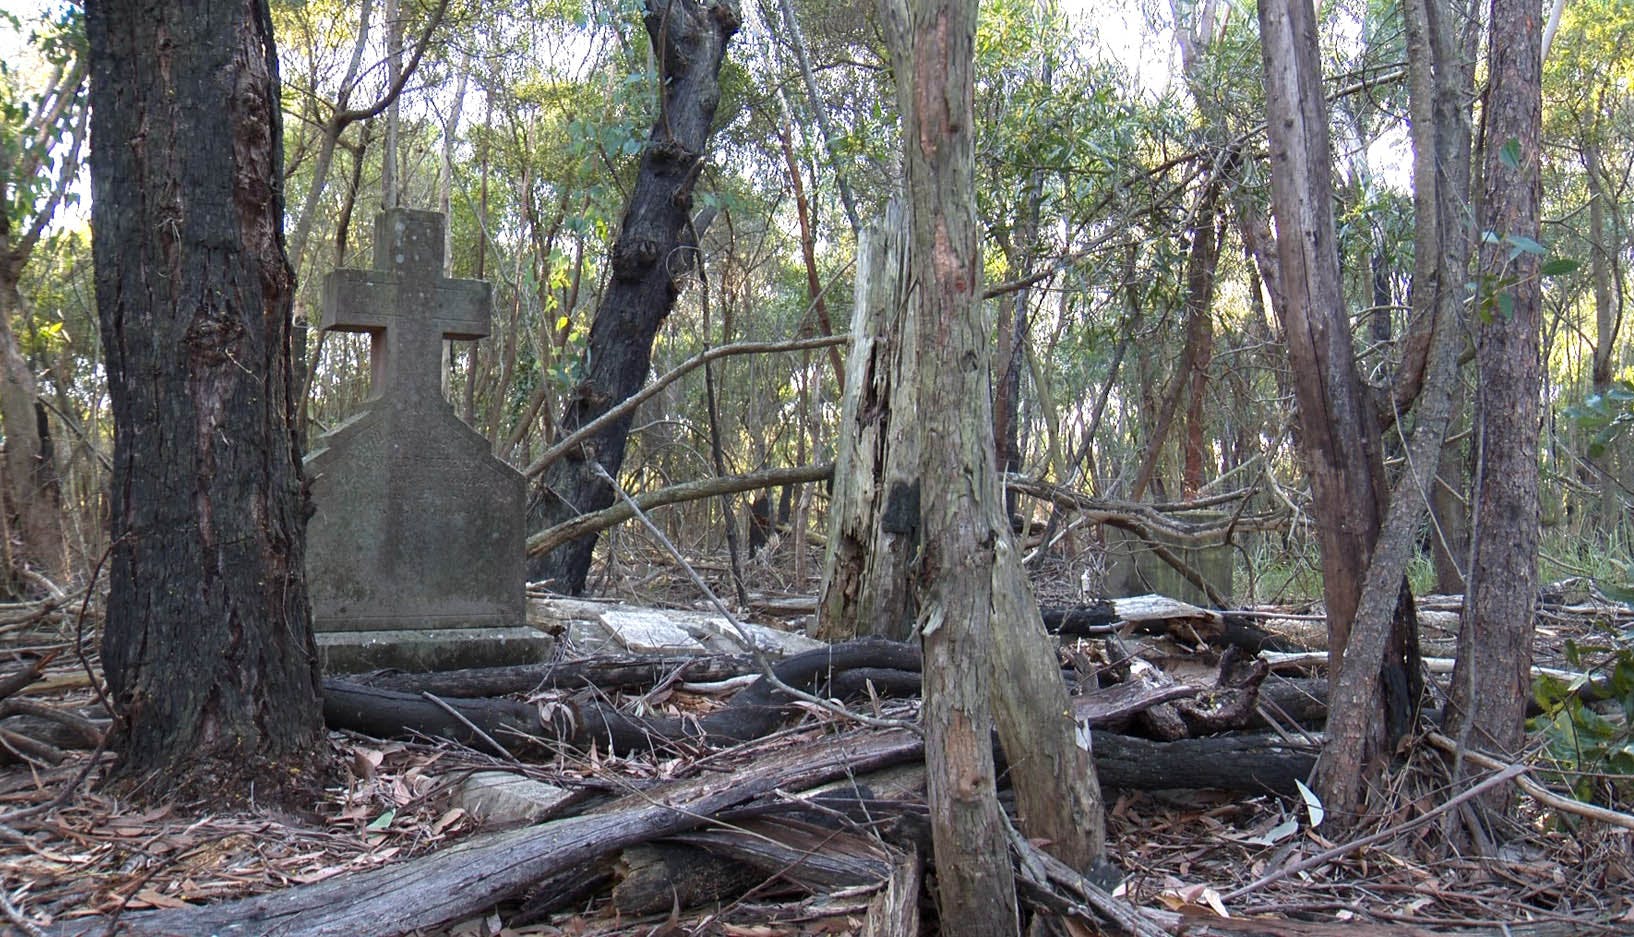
{"points": [[1339, 434], [655, 249], [1491, 679], [208, 645]]}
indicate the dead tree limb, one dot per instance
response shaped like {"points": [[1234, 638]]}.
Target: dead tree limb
{"points": [[597, 521], [461, 881]]}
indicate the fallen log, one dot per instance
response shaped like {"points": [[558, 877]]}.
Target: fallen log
{"points": [[1256, 764], [527, 729], [610, 674], [654, 877], [461, 881]]}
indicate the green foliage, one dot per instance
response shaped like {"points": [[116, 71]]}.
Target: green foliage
{"points": [[1604, 416], [1594, 750], [36, 122]]}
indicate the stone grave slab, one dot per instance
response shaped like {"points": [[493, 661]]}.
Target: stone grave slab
{"points": [[599, 627], [500, 798], [415, 552], [1133, 569]]}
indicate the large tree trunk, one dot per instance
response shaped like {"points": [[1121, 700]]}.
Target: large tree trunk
{"points": [[986, 658], [654, 252], [1491, 680], [208, 645]]}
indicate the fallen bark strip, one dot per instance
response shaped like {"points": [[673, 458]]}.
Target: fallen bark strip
{"points": [[464, 880]]}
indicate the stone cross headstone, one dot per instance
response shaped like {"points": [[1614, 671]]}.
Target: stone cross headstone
{"points": [[416, 549]]}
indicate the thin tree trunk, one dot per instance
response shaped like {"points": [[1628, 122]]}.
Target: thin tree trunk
{"points": [[1490, 682], [808, 248], [30, 484], [32, 496], [814, 98], [1605, 253]]}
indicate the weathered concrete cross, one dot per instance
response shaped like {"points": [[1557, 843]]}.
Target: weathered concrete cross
{"points": [[406, 305]]}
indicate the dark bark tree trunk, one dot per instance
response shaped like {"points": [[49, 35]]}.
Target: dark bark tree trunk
{"points": [[1490, 682], [654, 252], [208, 645]]}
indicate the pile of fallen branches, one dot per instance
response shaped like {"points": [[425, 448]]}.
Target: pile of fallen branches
{"points": [[704, 786]]}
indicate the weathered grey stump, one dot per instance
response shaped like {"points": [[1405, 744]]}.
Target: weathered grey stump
{"points": [[415, 555]]}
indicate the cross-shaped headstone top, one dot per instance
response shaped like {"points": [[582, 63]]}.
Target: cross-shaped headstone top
{"points": [[406, 304]]}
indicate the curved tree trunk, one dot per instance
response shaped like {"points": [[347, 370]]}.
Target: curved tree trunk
{"points": [[208, 645], [655, 250], [1338, 431]]}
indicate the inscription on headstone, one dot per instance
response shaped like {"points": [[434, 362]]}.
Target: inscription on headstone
{"points": [[415, 554]]}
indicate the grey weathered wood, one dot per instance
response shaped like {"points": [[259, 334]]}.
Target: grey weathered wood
{"points": [[873, 515], [454, 883]]}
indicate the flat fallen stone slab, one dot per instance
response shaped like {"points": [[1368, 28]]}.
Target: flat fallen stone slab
{"points": [[500, 798], [658, 631], [650, 631]]}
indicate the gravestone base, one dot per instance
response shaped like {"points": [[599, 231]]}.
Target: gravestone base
{"points": [[421, 650]]}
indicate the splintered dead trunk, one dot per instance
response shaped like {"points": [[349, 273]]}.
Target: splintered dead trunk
{"points": [[653, 252], [873, 522], [208, 645]]}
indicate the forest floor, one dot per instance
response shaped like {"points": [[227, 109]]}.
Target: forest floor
{"points": [[71, 852]]}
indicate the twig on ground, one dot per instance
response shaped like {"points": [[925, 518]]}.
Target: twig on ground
{"points": [[17, 917], [502, 751], [1344, 849]]}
